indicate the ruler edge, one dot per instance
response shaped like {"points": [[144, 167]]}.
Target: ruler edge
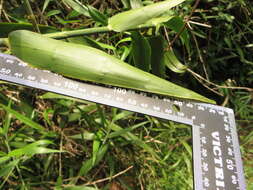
{"points": [[237, 152]]}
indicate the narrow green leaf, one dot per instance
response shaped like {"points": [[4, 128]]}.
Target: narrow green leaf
{"points": [[141, 51], [84, 136], [52, 13], [135, 17], [187, 147], [87, 165], [7, 122], [157, 48], [84, 40], [122, 115], [134, 140], [157, 21], [95, 150], [97, 16], [125, 3], [45, 5], [78, 6], [8, 168], [4, 159], [33, 148], [23, 119], [171, 61], [136, 4], [126, 130]]}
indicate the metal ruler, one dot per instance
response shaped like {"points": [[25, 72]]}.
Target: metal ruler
{"points": [[217, 160]]}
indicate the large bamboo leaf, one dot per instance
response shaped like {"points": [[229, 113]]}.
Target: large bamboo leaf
{"points": [[141, 51], [86, 63], [157, 49], [135, 17]]}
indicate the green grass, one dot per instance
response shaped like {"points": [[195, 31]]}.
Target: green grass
{"points": [[49, 141]]}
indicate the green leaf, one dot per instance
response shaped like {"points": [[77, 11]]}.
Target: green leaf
{"points": [[126, 130], [78, 6], [125, 3], [157, 48], [97, 16], [141, 51], [84, 40], [45, 5], [52, 13], [133, 139], [33, 148], [7, 122], [90, 64], [84, 136], [171, 61], [136, 4], [95, 149], [135, 17], [8, 168], [4, 159], [96, 146], [87, 165], [176, 24], [157, 21], [23, 119]]}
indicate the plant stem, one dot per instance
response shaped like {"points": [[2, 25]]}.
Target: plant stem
{"points": [[73, 33], [31, 15], [80, 32], [184, 26]]}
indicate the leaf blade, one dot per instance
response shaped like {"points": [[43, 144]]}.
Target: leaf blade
{"points": [[135, 17]]}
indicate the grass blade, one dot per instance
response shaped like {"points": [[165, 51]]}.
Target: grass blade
{"points": [[23, 119]]}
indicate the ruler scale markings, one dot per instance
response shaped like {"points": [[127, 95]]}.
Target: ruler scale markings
{"points": [[216, 154]]}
